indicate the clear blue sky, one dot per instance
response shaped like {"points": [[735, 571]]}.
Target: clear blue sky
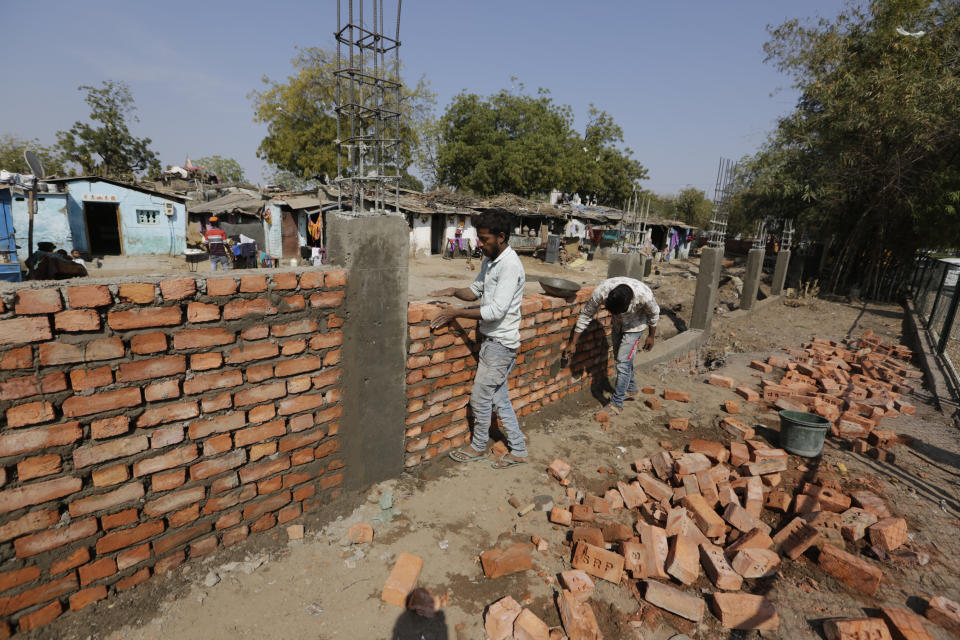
{"points": [[685, 80]]}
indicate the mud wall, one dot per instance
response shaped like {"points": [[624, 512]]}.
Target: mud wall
{"points": [[441, 365], [153, 421]]}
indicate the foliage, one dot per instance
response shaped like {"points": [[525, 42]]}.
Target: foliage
{"points": [[105, 145], [693, 207], [869, 155], [302, 124], [11, 155], [526, 145], [227, 169]]}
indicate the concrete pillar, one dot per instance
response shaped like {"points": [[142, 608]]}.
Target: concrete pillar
{"points": [[373, 250], [751, 279], [705, 297], [619, 265], [640, 271], [780, 272]]}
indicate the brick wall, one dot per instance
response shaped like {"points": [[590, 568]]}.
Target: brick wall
{"points": [[151, 422], [441, 365]]}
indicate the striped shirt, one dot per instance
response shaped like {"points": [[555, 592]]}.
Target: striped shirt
{"points": [[642, 312]]}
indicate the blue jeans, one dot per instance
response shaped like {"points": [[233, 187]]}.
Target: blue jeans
{"points": [[490, 392], [223, 261], [625, 346]]}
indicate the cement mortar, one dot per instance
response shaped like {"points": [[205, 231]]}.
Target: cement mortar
{"points": [[373, 250]]}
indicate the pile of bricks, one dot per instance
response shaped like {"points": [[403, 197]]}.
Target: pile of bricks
{"points": [[732, 514], [151, 422], [441, 365]]}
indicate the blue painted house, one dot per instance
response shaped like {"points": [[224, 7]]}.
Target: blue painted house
{"points": [[9, 266], [102, 216]]}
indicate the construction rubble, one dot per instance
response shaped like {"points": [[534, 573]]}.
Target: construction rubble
{"points": [[707, 528]]}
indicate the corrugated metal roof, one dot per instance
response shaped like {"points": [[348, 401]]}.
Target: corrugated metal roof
{"points": [[230, 203]]}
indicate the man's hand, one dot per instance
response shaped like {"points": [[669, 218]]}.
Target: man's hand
{"points": [[569, 349], [449, 291], [648, 343], [443, 318]]}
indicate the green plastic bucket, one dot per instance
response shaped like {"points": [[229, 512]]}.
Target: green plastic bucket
{"points": [[802, 433]]}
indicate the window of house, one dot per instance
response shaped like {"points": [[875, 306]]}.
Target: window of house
{"points": [[148, 216]]}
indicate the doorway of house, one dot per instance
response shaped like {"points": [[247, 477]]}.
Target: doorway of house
{"points": [[438, 229], [289, 235], [103, 228]]}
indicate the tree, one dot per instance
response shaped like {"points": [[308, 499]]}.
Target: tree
{"points": [[11, 155], [105, 145], [693, 207], [526, 145], [301, 121], [227, 169], [869, 156]]}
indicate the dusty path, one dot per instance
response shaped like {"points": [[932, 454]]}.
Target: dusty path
{"points": [[448, 514]]}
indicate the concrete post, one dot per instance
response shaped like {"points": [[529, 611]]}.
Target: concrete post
{"points": [[374, 252], [705, 297], [641, 267], [780, 272], [751, 280], [619, 265]]}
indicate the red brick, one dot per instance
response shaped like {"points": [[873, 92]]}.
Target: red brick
{"points": [[263, 432], [54, 353], [888, 534], [165, 390], [306, 325], [168, 460], [147, 369], [97, 570], [119, 519], [219, 424], [109, 427], [37, 301], [904, 624], [304, 402], [204, 361], [257, 332], [53, 538], [43, 593], [21, 358], [89, 297], [77, 320], [72, 561], [203, 547], [260, 470], [258, 394], [93, 454], [37, 493], [328, 482], [284, 281], [144, 318], [233, 536], [182, 536], [221, 286], [745, 611], [402, 579], [850, 569], [148, 343], [133, 580], [202, 338], [253, 284], [17, 577], [215, 466], [328, 340], [326, 300], [202, 312], [30, 413], [721, 381], [88, 596], [104, 349], [293, 347], [311, 280], [128, 493], [139, 293], [334, 279], [236, 309], [169, 563], [87, 379], [127, 537], [106, 401], [38, 467], [19, 331], [253, 352], [40, 617], [674, 600], [178, 289], [17, 388], [110, 476], [210, 381], [168, 480], [217, 444], [174, 501]]}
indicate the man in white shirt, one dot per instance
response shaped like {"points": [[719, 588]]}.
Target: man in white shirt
{"points": [[499, 287], [634, 310]]}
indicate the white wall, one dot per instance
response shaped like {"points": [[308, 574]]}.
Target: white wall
{"points": [[420, 235]]}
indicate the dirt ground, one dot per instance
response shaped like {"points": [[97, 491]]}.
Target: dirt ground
{"points": [[448, 513]]}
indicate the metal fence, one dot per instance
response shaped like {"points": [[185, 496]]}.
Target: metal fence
{"points": [[935, 294]]}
